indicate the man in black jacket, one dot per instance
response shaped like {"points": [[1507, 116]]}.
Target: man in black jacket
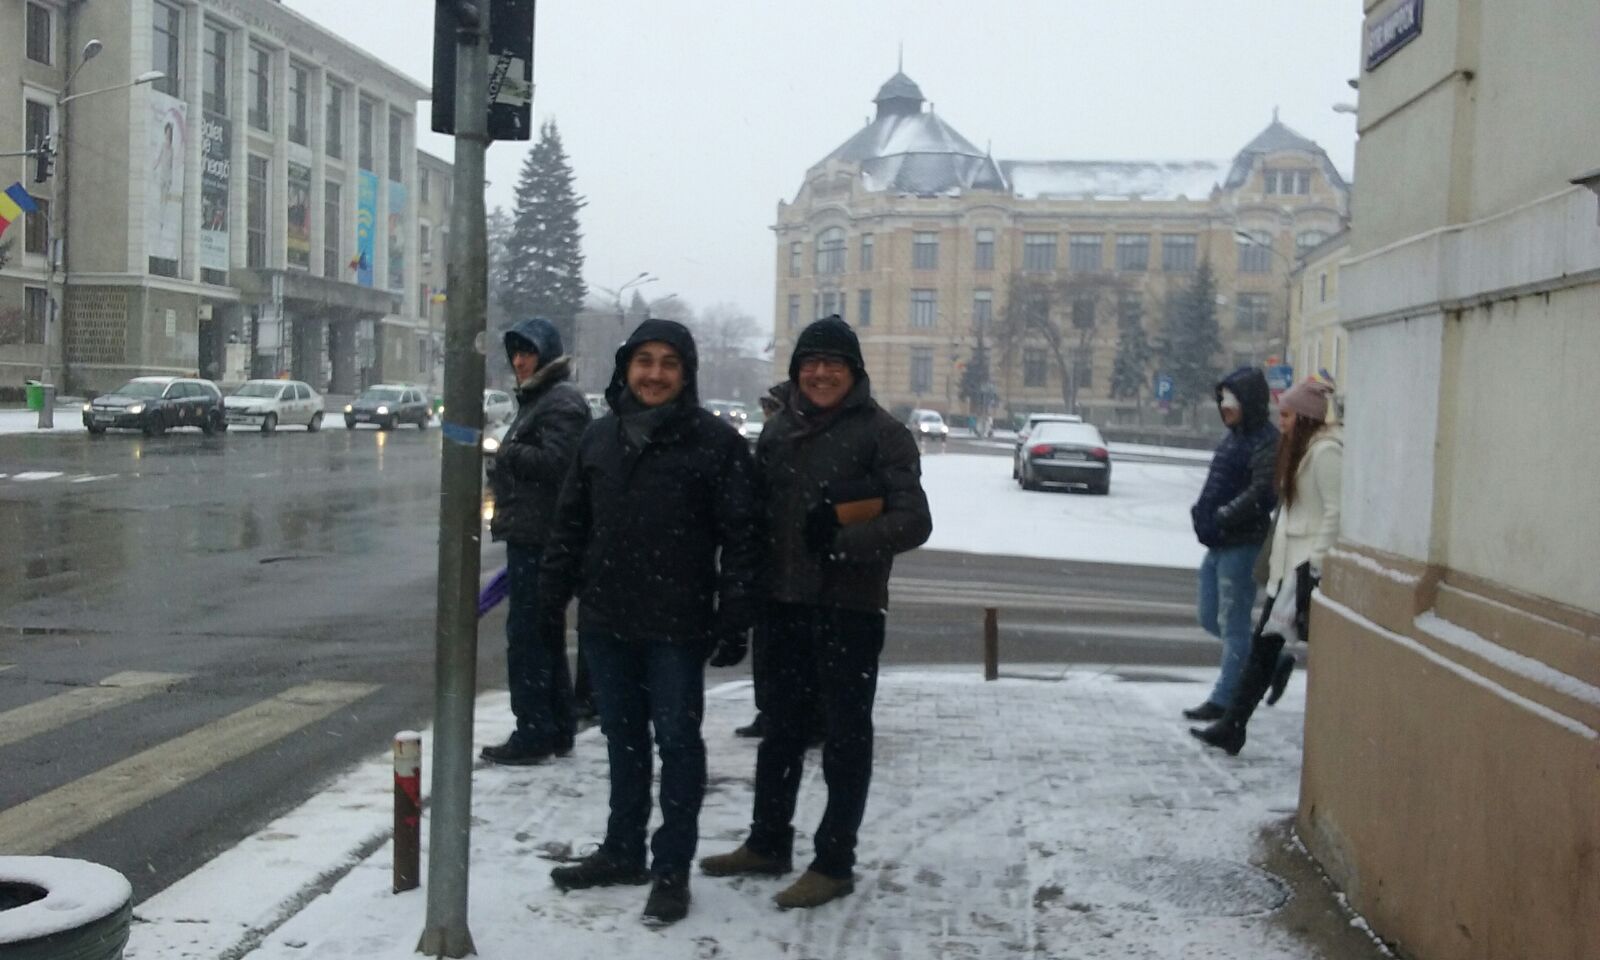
{"points": [[1232, 518], [839, 481], [526, 476], [657, 536]]}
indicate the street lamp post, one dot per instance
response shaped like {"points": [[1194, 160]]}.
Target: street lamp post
{"points": [[616, 295], [1288, 282]]}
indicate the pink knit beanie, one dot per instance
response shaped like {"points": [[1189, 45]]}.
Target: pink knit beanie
{"points": [[1308, 398]]}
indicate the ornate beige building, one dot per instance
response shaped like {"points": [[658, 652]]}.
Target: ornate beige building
{"points": [[913, 235]]}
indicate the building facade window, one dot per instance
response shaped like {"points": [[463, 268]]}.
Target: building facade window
{"points": [[796, 257], [332, 218], [364, 122], [1086, 252], [397, 150], [35, 124], [830, 303], [1130, 308], [1083, 313], [214, 71], [165, 46], [1255, 257], [830, 251], [424, 186], [1035, 367], [924, 250], [924, 308], [864, 309], [35, 311], [1083, 372], [866, 251], [1178, 252], [794, 309], [982, 309], [255, 255], [299, 125], [38, 27], [425, 243], [1133, 252], [1038, 252], [983, 250], [1250, 312], [333, 130], [36, 228], [1297, 182], [261, 88], [921, 370], [1322, 288]]}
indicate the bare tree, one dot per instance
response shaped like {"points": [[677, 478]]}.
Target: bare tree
{"points": [[725, 334], [1062, 314]]}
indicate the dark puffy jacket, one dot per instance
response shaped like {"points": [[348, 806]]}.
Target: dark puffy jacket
{"points": [[1235, 506], [862, 447], [537, 449], [639, 529]]}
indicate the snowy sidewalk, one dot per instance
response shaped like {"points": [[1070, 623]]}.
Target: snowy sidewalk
{"points": [[1065, 814]]}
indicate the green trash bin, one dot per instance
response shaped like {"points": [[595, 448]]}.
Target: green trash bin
{"points": [[35, 394]]}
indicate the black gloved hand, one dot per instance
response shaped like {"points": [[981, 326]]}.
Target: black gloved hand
{"points": [[822, 525]]}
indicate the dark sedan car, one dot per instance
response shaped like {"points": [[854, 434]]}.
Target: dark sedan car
{"points": [[386, 406], [1066, 453], [158, 404]]}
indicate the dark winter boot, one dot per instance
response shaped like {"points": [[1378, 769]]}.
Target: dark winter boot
{"points": [[1206, 711], [519, 752], [1226, 734], [1280, 679], [755, 729], [744, 862], [668, 901], [813, 889], [600, 869]]}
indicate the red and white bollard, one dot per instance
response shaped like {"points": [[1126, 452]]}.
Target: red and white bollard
{"points": [[407, 810]]}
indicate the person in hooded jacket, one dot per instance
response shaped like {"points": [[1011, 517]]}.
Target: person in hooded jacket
{"points": [[657, 536], [839, 483], [1231, 519], [526, 476], [1308, 476]]}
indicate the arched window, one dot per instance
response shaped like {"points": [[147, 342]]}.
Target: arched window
{"points": [[1308, 239], [830, 251]]}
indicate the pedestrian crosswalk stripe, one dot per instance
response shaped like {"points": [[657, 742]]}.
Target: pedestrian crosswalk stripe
{"points": [[58, 711], [40, 824]]}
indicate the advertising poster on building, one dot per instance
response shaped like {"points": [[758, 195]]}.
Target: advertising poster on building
{"points": [[169, 144], [397, 236], [299, 240], [216, 168], [366, 224]]}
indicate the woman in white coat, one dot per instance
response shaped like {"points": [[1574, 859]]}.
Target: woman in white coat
{"points": [[1310, 461]]}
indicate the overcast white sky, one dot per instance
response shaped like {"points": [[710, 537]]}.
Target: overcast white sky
{"points": [[688, 121]]}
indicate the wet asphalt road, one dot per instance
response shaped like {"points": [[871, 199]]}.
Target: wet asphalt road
{"points": [[241, 566]]}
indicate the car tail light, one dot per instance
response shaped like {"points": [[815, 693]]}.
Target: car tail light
{"points": [[1099, 453], [1042, 450]]}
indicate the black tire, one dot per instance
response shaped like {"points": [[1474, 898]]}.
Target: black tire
{"points": [[269, 423], [1101, 489], [1028, 483], [95, 431], [153, 427], [423, 423], [389, 424], [315, 424]]}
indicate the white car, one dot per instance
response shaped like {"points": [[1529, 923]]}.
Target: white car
{"points": [[498, 407], [270, 404], [928, 425], [1034, 419]]}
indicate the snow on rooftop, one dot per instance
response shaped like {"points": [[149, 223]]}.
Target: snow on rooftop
{"points": [[1114, 179]]}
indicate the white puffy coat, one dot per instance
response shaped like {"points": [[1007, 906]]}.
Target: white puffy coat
{"points": [[1307, 530]]}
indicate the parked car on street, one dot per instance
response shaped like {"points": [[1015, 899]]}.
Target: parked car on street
{"points": [[158, 404], [1034, 419], [386, 406], [1066, 453], [598, 407], [928, 425], [731, 412], [270, 404], [498, 407]]}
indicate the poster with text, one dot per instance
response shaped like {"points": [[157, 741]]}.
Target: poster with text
{"points": [[163, 191], [397, 236], [216, 169], [366, 222], [299, 239]]}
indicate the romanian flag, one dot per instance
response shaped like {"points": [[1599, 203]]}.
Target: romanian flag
{"points": [[358, 261], [15, 202]]}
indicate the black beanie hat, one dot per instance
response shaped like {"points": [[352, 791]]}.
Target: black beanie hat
{"points": [[830, 336]]}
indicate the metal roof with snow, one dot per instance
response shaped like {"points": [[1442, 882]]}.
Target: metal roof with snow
{"points": [[1278, 138], [1113, 179]]}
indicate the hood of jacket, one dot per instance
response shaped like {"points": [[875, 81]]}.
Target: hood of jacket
{"points": [[673, 334], [1249, 384], [539, 334], [549, 374]]}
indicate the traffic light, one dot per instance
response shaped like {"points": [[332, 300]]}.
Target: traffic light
{"points": [[44, 160], [510, 94]]}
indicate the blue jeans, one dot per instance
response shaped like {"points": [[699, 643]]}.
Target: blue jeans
{"points": [[536, 658], [637, 684], [1227, 597]]}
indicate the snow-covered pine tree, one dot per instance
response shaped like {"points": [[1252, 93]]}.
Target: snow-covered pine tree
{"points": [[1193, 341], [1130, 368], [543, 270]]}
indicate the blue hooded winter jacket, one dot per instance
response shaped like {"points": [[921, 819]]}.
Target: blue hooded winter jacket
{"points": [[1235, 506]]}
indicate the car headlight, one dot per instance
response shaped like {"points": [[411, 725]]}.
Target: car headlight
{"points": [[490, 445], [136, 408], [88, 407], [441, 409], [382, 410]]}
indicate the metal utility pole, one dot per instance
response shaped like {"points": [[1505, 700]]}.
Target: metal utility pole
{"points": [[460, 499]]}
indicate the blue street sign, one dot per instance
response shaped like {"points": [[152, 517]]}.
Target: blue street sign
{"points": [[1280, 377], [1163, 388]]}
